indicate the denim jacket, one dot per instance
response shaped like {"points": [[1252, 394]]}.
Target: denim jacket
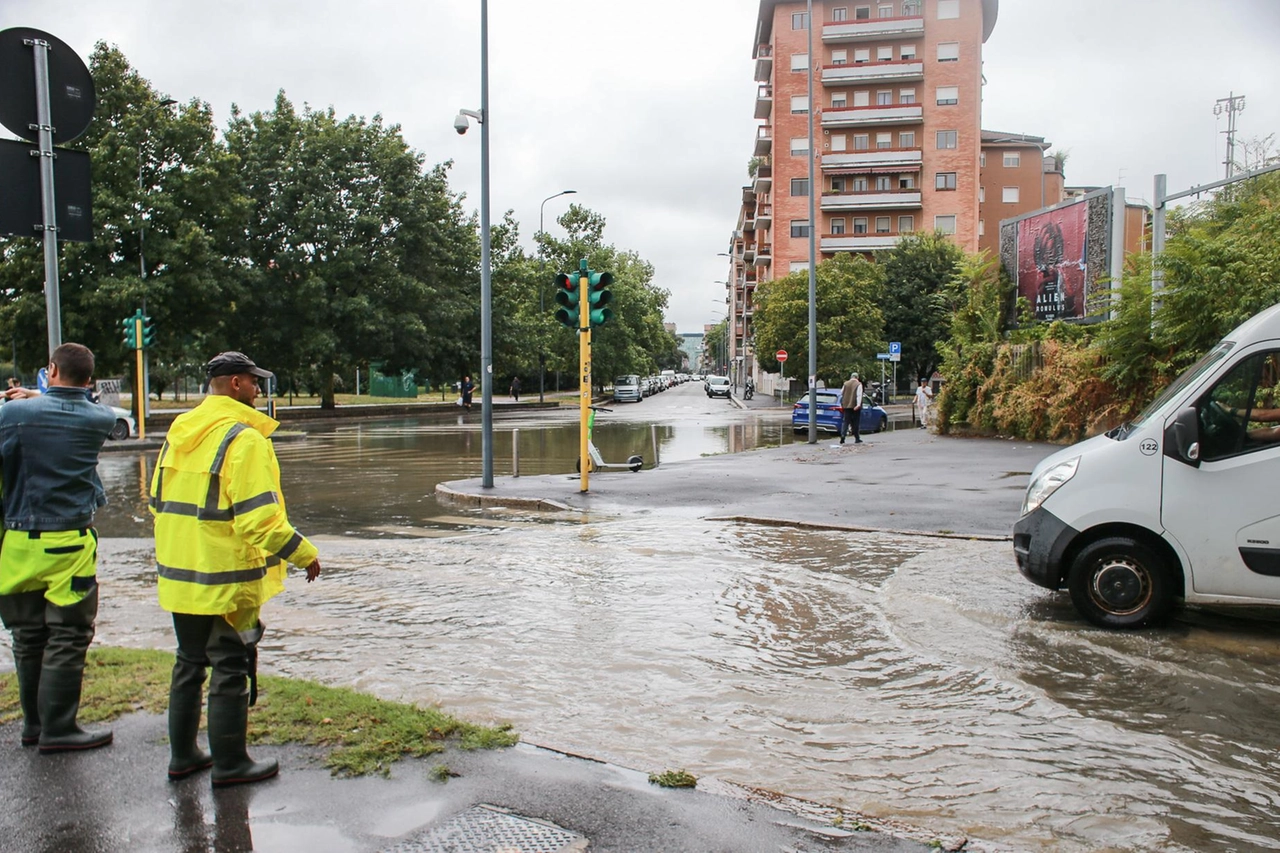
{"points": [[49, 457]]}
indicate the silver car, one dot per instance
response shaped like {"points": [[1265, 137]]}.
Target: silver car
{"points": [[627, 389]]}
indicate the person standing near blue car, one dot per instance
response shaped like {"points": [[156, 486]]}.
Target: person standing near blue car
{"points": [[851, 408], [49, 445]]}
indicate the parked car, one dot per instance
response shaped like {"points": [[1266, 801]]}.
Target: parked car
{"points": [[627, 389], [874, 418], [718, 386], [125, 426]]}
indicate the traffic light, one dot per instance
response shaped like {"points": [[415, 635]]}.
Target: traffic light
{"points": [[130, 333], [148, 332], [600, 296], [567, 299]]}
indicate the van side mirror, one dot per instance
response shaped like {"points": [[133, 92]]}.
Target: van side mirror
{"points": [[1182, 437]]}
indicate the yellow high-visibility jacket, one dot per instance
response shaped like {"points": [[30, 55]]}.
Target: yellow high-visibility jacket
{"points": [[222, 533]]}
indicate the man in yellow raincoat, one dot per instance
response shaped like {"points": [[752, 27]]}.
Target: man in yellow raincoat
{"points": [[222, 541]]}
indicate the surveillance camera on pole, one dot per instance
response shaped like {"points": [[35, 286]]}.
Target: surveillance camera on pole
{"points": [[461, 124]]}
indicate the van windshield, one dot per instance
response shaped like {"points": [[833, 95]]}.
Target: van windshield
{"points": [[1191, 375], [626, 380]]}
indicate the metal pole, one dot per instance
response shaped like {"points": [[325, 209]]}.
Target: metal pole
{"points": [[584, 376], [542, 367], [52, 300], [813, 251], [1157, 236], [653, 431], [486, 283], [142, 267], [515, 453]]}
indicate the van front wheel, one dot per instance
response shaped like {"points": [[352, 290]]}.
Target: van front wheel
{"points": [[1118, 582]]}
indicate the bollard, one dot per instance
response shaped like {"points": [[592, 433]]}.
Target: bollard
{"points": [[653, 429], [515, 453]]}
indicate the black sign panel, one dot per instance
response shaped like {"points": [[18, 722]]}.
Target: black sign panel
{"points": [[21, 212], [71, 94]]}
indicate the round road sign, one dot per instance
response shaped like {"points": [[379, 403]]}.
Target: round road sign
{"points": [[71, 93], [781, 355]]}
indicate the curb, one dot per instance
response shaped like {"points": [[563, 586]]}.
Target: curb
{"points": [[443, 492], [853, 528]]}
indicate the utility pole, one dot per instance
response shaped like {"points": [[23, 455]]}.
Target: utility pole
{"points": [[1230, 105]]}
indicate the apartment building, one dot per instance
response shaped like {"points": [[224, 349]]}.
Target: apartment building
{"points": [[1015, 176], [897, 90]]}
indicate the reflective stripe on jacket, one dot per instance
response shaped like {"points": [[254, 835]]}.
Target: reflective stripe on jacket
{"points": [[222, 533]]}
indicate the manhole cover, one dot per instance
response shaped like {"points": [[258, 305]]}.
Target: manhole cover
{"points": [[487, 829]]}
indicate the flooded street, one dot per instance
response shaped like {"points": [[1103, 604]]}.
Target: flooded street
{"points": [[908, 677]]}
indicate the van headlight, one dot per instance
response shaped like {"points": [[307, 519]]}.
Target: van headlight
{"points": [[1048, 482]]}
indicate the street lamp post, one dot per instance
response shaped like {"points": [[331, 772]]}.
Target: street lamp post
{"points": [[144, 408], [813, 259], [542, 371]]}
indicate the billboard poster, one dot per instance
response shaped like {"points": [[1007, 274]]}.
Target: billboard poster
{"points": [[1052, 262]]}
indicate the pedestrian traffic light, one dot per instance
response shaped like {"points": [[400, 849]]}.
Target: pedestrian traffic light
{"points": [[600, 296], [130, 333], [148, 332], [567, 299]]}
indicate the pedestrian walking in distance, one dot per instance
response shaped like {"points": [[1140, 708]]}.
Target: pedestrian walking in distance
{"points": [[515, 389], [49, 446], [222, 541], [467, 388], [923, 397], [851, 408]]}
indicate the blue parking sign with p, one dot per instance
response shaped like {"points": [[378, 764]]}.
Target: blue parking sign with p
{"points": [[895, 347]]}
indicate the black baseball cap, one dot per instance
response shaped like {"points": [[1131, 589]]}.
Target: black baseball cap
{"points": [[233, 363]]}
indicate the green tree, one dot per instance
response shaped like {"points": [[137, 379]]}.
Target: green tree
{"points": [[917, 273], [849, 291]]}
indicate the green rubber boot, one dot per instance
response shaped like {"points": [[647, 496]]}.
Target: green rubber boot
{"points": [[228, 726], [59, 703], [185, 703]]}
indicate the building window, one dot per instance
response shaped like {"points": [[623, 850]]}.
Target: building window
{"points": [[799, 187], [944, 181], [798, 266], [861, 98], [862, 13], [884, 183], [799, 104], [840, 14], [884, 98], [910, 8], [884, 54], [859, 185], [945, 224], [859, 225], [982, 195], [1009, 195], [906, 224], [839, 57], [837, 227], [949, 51], [838, 141], [799, 62], [885, 11], [861, 54], [982, 228], [861, 141], [884, 140], [799, 228], [982, 160], [839, 100], [948, 9], [799, 20], [837, 185], [799, 144], [906, 96], [947, 95], [946, 139], [906, 182], [907, 51], [882, 225], [907, 139], [1012, 159]]}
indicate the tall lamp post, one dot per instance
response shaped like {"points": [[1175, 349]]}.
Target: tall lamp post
{"points": [[542, 370], [486, 280], [813, 253], [144, 408], [730, 332]]}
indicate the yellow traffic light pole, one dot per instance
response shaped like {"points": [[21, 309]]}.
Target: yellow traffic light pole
{"points": [[140, 401], [584, 382]]}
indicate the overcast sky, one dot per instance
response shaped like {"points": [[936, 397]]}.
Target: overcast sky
{"points": [[645, 108]]}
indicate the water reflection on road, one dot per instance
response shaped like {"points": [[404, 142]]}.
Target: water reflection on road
{"points": [[904, 677]]}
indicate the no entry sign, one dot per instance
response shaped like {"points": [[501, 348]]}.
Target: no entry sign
{"points": [[781, 355]]}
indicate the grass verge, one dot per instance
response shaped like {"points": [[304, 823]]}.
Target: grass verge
{"points": [[360, 734]]}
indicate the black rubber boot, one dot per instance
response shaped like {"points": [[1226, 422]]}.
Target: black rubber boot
{"points": [[28, 670], [228, 726], [23, 614], [59, 704], [186, 700]]}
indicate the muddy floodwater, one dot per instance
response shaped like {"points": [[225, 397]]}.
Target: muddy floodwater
{"points": [[904, 677]]}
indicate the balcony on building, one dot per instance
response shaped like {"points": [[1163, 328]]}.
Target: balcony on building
{"points": [[764, 63], [764, 102], [857, 73], [749, 252], [764, 254], [763, 181], [764, 215], [838, 117], [764, 140], [873, 159], [872, 29], [868, 242], [871, 200]]}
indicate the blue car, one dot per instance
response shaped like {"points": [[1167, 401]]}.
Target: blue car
{"points": [[874, 418]]}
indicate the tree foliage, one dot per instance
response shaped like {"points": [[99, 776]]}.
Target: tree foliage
{"points": [[917, 273]]}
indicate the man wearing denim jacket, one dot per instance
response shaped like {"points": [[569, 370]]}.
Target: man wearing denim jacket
{"points": [[49, 448]]}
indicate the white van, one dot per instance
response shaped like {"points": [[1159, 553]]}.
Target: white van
{"points": [[1183, 502]]}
